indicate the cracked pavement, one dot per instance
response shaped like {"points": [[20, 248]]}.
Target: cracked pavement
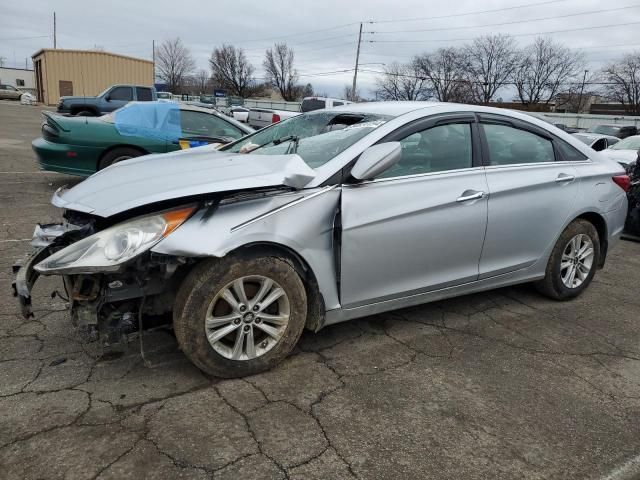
{"points": [[503, 384]]}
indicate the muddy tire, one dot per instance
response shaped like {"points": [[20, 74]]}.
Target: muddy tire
{"points": [[263, 326], [118, 155], [573, 262]]}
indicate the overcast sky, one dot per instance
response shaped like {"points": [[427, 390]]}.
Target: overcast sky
{"points": [[402, 28]]}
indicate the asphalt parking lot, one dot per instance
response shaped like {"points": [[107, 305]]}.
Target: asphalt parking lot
{"points": [[505, 384]]}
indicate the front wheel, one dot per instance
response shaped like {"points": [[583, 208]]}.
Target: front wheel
{"points": [[572, 263], [238, 316]]}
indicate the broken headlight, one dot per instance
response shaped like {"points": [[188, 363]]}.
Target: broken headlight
{"points": [[107, 250]]}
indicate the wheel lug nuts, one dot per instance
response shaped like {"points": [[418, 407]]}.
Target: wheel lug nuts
{"points": [[242, 308], [246, 328], [258, 320], [255, 308], [237, 321]]}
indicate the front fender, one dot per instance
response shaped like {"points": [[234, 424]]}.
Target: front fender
{"points": [[305, 225]]}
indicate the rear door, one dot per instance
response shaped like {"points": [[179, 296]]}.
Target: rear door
{"points": [[144, 94], [532, 191], [420, 225]]}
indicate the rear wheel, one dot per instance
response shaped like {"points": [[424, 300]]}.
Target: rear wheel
{"points": [[118, 155], [238, 316], [573, 262]]}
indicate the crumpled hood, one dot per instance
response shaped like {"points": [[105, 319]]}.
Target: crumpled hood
{"points": [[154, 178]]}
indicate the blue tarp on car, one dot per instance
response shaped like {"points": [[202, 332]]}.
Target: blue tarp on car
{"points": [[159, 120]]}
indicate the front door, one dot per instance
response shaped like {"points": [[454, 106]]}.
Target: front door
{"points": [[420, 225], [532, 190]]}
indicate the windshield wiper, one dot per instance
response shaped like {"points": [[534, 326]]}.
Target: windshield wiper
{"points": [[289, 138]]}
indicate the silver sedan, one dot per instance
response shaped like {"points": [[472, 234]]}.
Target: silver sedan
{"points": [[325, 217]]}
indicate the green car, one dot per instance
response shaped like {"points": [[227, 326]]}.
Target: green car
{"points": [[84, 145]]}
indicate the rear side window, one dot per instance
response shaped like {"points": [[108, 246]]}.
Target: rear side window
{"points": [[337, 104], [144, 94], [311, 104], [569, 153], [121, 93], [512, 146]]}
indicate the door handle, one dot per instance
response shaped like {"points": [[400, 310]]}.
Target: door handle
{"points": [[564, 178], [470, 196]]}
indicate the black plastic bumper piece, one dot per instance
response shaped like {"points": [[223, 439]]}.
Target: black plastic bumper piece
{"points": [[26, 277]]}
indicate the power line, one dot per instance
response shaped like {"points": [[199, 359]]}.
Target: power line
{"points": [[477, 12], [507, 23], [23, 38], [512, 35], [301, 33]]}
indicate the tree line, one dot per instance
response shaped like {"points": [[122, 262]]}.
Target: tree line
{"points": [[539, 73], [231, 71]]}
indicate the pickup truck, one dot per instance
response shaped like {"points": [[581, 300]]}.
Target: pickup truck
{"points": [[263, 117], [111, 99]]}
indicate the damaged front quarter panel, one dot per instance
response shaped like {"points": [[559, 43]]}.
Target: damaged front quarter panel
{"points": [[300, 221]]}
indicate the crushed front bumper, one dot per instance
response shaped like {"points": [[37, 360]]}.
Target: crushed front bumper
{"points": [[47, 239], [25, 278]]}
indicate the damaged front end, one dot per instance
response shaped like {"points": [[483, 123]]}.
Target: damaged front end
{"points": [[110, 276]]}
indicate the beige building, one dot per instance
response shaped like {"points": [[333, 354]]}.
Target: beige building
{"points": [[85, 72]]}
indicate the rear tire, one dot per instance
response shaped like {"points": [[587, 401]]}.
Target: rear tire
{"points": [[573, 262], [117, 155], [202, 311]]}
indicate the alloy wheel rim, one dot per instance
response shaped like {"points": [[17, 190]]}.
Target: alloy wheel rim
{"points": [[577, 261], [247, 317]]}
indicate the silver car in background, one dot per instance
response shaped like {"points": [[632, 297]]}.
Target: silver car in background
{"points": [[325, 217]]}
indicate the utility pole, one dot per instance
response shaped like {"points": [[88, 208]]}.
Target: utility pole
{"points": [[584, 79], [153, 47], [55, 43], [355, 72]]}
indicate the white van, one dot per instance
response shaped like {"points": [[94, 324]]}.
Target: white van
{"points": [[317, 103]]}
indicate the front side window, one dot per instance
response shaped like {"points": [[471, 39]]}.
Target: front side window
{"points": [[436, 149], [512, 146], [311, 104], [571, 154], [337, 104], [321, 135], [144, 94], [207, 125], [121, 93]]}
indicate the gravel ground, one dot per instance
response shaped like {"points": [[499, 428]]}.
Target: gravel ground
{"points": [[504, 384]]}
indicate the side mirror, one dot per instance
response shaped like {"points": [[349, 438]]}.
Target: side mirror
{"points": [[107, 98], [376, 159]]}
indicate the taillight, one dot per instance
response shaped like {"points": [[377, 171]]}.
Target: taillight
{"points": [[275, 118], [623, 181]]}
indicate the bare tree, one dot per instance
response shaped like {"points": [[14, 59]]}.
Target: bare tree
{"points": [[201, 80], [402, 82], [173, 63], [280, 72], [488, 63], [544, 68], [623, 82], [348, 94], [444, 69], [2, 60], [231, 70]]}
